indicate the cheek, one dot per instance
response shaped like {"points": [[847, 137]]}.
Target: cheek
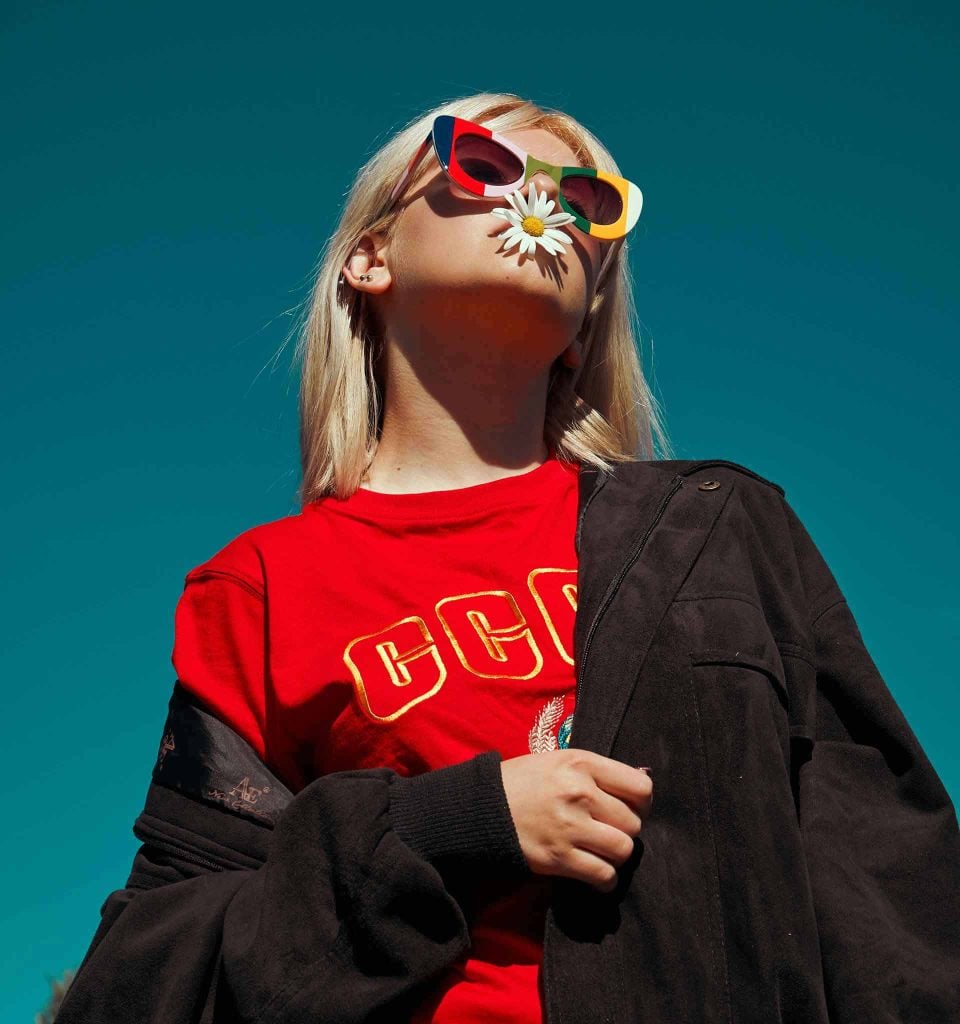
{"points": [[432, 237], [459, 248], [451, 248]]}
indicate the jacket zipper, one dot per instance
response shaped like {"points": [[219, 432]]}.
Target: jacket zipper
{"points": [[162, 844], [604, 604], [618, 579]]}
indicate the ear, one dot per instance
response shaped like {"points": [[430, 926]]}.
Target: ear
{"points": [[369, 258]]}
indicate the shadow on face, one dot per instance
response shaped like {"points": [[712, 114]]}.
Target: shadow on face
{"points": [[447, 201]]}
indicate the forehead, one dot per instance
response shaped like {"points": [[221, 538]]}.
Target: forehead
{"points": [[544, 145]]}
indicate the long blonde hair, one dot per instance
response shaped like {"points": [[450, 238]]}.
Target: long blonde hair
{"points": [[607, 415]]}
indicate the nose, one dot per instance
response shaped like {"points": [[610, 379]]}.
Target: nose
{"points": [[544, 183]]}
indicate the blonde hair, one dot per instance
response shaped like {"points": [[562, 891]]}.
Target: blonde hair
{"points": [[607, 415]]}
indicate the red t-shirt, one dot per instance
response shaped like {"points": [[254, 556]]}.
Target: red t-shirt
{"points": [[409, 631]]}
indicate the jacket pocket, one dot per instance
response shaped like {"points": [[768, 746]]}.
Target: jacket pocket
{"points": [[767, 662]]}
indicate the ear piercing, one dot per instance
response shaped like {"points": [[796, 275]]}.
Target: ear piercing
{"points": [[365, 277]]}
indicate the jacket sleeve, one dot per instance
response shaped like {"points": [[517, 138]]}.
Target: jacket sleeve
{"points": [[249, 902], [880, 831], [346, 905]]}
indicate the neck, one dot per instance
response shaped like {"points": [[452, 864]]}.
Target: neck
{"points": [[458, 412]]}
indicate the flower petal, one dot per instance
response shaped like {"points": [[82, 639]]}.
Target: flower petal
{"points": [[558, 236], [559, 218]]}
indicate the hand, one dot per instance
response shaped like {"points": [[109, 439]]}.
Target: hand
{"points": [[576, 812]]}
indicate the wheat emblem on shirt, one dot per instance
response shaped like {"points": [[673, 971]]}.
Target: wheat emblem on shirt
{"points": [[541, 736]]}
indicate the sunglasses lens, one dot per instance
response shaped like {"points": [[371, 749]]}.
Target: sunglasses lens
{"points": [[594, 199], [487, 161]]}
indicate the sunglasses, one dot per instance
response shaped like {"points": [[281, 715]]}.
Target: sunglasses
{"points": [[486, 163]]}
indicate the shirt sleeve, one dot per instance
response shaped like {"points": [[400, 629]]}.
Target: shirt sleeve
{"points": [[220, 654], [219, 650], [879, 829]]}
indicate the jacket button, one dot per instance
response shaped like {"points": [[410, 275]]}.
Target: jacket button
{"points": [[709, 485]]}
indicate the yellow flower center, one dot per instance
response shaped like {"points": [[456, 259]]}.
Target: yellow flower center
{"points": [[533, 226]]}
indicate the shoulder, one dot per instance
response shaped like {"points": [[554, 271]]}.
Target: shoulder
{"points": [[245, 557], [637, 476], [719, 468], [755, 498], [770, 523]]}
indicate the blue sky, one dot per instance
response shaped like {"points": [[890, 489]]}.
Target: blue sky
{"points": [[170, 174]]}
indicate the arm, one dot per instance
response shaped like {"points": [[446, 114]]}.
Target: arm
{"points": [[327, 916], [326, 905], [880, 831]]}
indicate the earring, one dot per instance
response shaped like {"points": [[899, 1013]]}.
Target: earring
{"points": [[365, 277]]}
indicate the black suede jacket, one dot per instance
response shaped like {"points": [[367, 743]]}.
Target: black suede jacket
{"points": [[801, 862]]}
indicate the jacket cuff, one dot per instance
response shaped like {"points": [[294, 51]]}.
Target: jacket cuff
{"points": [[459, 816]]}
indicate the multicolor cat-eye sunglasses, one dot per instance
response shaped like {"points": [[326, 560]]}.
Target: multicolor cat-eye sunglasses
{"points": [[485, 163]]}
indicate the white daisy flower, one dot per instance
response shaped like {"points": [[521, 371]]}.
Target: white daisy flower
{"points": [[532, 224]]}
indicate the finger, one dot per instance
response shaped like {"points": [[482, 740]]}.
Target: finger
{"points": [[623, 781], [611, 810], [588, 867], [605, 841]]}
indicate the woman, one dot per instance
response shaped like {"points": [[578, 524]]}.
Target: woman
{"points": [[398, 780]]}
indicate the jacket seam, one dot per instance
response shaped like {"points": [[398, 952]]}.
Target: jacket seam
{"points": [[581, 513], [794, 651], [823, 611], [700, 464], [722, 596], [719, 953], [800, 649], [596, 490]]}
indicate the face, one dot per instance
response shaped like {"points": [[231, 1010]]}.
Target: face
{"points": [[444, 260]]}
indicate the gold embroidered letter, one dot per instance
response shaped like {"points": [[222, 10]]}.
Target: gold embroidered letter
{"points": [[389, 682]]}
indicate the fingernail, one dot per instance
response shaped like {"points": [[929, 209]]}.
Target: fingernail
{"points": [[644, 768]]}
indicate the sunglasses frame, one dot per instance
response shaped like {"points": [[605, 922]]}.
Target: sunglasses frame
{"points": [[447, 128]]}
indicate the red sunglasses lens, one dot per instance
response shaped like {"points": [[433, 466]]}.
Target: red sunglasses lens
{"points": [[594, 199], [486, 161]]}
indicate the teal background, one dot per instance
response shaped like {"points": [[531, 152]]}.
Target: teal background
{"points": [[170, 173]]}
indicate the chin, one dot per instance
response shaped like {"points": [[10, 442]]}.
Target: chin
{"points": [[503, 290]]}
